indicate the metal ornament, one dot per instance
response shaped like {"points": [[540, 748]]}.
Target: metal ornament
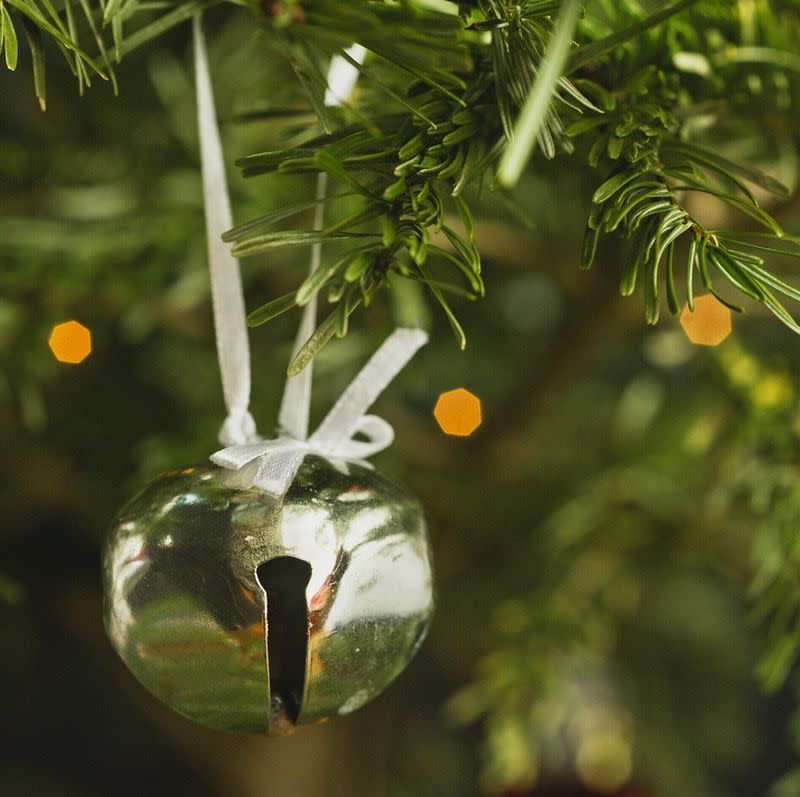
{"points": [[293, 582], [247, 612]]}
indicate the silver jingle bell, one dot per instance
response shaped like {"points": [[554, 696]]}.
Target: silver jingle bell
{"points": [[249, 613]]}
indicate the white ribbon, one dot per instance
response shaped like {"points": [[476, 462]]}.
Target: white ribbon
{"points": [[296, 403], [279, 459], [334, 439], [233, 349]]}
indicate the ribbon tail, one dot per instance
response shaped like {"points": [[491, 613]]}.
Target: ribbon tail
{"points": [[347, 415], [236, 457], [278, 462]]}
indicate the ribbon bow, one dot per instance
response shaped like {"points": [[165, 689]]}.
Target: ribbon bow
{"points": [[334, 439], [279, 459]]}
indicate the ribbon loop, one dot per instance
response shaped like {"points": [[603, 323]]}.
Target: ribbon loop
{"points": [[378, 432], [379, 435]]}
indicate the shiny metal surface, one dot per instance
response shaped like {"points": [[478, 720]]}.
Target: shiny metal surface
{"points": [[186, 609]]}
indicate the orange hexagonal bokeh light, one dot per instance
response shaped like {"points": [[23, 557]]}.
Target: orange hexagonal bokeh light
{"points": [[709, 324], [458, 412], [70, 342]]}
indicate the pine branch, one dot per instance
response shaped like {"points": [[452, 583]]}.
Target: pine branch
{"points": [[488, 80], [644, 205], [39, 18]]}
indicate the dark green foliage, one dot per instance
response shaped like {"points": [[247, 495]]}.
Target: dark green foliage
{"points": [[399, 177], [646, 128], [640, 84], [644, 205]]}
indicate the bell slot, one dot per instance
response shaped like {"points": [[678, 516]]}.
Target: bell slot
{"points": [[284, 581]]}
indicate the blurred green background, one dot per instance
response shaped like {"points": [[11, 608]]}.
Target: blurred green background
{"points": [[616, 545]]}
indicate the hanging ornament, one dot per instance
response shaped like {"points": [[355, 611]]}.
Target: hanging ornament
{"points": [[287, 581]]}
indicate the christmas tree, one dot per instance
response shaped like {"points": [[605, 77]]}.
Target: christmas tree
{"points": [[611, 495]]}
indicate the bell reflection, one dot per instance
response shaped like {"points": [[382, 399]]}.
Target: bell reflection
{"points": [[396, 581], [126, 571]]}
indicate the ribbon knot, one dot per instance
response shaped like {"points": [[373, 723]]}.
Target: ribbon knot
{"points": [[335, 438], [239, 428]]}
